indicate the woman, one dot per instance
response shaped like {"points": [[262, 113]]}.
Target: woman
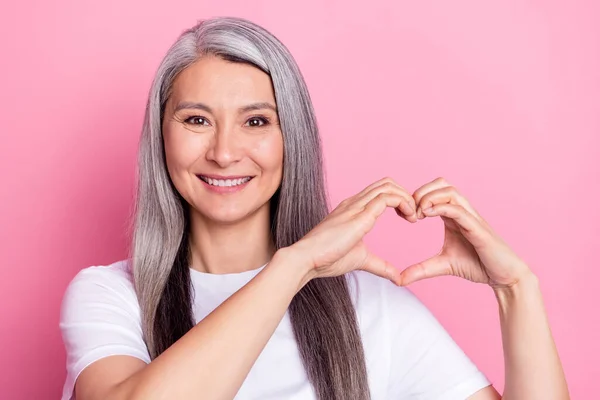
{"points": [[239, 280]]}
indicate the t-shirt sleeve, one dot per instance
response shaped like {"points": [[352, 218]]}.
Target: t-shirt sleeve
{"points": [[426, 363], [99, 317]]}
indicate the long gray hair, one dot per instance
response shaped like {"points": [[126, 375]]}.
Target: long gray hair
{"points": [[322, 313]]}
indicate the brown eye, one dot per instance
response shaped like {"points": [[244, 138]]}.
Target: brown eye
{"points": [[195, 120], [258, 121]]}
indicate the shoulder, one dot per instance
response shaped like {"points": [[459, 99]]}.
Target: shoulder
{"points": [[100, 317], [394, 312], [379, 298], [116, 276], [100, 284], [118, 272], [399, 331]]}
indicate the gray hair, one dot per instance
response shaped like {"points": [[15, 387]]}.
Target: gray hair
{"points": [[322, 313]]}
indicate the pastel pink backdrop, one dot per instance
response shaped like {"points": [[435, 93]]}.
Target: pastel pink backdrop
{"points": [[501, 98]]}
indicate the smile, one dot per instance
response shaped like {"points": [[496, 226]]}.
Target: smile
{"points": [[225, 182]]}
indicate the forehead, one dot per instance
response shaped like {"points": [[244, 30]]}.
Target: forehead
{"points": [[222, 83]]}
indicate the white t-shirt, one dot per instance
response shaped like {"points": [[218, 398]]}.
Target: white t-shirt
{"points": [[409, 355]]}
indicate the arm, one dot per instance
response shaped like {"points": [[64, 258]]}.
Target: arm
{"points": [[215, 356], [532, 366], [531, 363], [473, 250]]}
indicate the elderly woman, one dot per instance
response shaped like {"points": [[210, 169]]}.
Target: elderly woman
{"points": [[241, 283]]}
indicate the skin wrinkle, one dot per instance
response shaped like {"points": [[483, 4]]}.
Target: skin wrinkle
{"points": [[179, 225]]}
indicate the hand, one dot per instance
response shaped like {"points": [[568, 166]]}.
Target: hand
{"points": [[335, 246], [471, 249]]}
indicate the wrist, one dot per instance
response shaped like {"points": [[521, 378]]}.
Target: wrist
{"points": [[523, 288], [297, 263]]}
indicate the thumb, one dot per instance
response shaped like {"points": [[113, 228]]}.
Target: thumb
{"points": [[381, 268], [432, 267]]}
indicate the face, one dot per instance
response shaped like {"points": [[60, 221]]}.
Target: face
{"points": [[223, 143]]}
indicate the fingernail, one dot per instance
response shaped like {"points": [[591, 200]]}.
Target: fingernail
{"points": [[428, 211]]}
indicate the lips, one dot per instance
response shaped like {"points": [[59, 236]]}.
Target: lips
{"points": [[230, 181]]}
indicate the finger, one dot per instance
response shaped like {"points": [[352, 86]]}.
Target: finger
{"points": [[407, 208], [418, 194], [472, 229], [447, 194], [374, 185], [351, 201], [406, 211], [377, 206], [386, 185], [432, 267], [381, 268]]}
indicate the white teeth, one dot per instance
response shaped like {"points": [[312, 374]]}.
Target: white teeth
{"points": [[225, 182]]}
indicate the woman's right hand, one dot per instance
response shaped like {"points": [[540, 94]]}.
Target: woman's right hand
{"points": [[335, 246]]}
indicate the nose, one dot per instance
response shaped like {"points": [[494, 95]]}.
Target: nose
{"points": [[224, 148]]}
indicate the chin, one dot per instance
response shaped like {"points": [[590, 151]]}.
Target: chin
{"points": [[224, 215], [229, 210], [227, 218]]}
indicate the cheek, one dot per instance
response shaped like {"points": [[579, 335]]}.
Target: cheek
{"points": [[180, 155], [268, 153], [181, 151]]}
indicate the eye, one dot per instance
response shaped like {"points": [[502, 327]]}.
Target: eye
{"points": [[256, 121], [195, 120]]}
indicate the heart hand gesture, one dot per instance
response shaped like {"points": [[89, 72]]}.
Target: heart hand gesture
{"points": [[471, 249]]}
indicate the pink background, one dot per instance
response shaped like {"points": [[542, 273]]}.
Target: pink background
{"points": [[502, 98]]}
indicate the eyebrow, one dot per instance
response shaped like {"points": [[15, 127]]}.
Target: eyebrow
{"points": [[201, 106]]}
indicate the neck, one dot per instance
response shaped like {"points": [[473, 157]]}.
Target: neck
{"points": [[220, 248]]}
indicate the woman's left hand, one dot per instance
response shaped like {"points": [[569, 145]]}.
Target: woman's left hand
{"points": [[471, 249]]}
